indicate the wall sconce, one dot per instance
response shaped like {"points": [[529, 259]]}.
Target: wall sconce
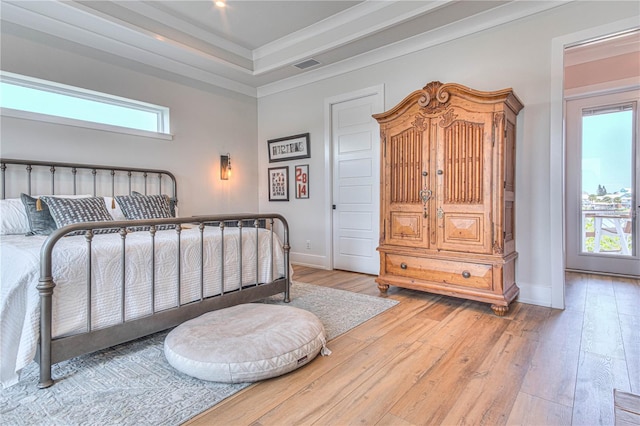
{"points": [[225, 166]]}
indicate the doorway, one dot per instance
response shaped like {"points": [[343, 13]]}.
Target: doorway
{"points": [[602, 181]]}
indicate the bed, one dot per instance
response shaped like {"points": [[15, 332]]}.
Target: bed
{"points": [[90, 285]]}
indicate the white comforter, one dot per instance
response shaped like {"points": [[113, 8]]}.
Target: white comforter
{"points": [[20, 271]]}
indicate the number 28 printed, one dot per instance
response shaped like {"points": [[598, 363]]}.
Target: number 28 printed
{"points": [[302, 181]]}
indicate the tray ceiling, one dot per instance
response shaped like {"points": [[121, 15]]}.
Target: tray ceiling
{"points": [[252, 47]]}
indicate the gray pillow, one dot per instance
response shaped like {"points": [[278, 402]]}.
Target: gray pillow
{"points": [[40, 221], [137, 207], [67, 211], [172, 202]]}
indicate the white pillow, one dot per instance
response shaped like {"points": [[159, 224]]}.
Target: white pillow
{"points": [[13, 217], [114, 209]]}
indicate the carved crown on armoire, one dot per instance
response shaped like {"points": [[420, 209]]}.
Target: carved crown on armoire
{"points": [[447, 194]]}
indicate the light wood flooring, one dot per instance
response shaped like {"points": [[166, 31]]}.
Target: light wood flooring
{"points": [[440, 360]]}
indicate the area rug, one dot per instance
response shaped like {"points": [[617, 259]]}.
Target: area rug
{"points": [[132, 384]]}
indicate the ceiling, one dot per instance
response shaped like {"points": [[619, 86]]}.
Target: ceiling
{"points": [[606, 47], [252, 47]]}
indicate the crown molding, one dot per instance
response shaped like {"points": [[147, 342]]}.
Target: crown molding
{"points": [[74, 23], [321, 27], [80, 24], [184, 25], [347, 26], [482, 21]]}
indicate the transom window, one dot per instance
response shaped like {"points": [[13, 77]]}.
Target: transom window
{"points": [[32, 98]]}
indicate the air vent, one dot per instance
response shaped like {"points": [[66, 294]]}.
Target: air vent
{"points": [[306, 64]]}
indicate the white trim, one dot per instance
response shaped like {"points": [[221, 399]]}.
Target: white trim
{"points": [[61, 19], [310, 260], [45, 118], [161, 113], [151, 10], [476, 23], [80, 24], [310, 41], [557, 149], [535, 294], [328, 159], [607, 87], [322, 27]]}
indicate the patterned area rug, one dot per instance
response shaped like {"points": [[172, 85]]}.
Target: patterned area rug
{"points": [[132, 384]]}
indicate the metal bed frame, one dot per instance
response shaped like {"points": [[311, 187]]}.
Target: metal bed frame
{"points": [[53, 350]]}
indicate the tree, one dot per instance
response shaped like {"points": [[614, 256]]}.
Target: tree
{"points": [[602, 190]]}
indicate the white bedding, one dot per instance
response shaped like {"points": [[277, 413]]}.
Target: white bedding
{"points": [[20, 271]]}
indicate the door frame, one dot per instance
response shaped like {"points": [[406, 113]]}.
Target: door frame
{"points": [[377, 90], [557, 250], [573, 124]]}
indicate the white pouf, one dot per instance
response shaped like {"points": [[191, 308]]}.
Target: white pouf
{"points": [[245, 343]]}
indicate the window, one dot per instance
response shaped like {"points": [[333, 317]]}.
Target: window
{"points": [[32, 98]]}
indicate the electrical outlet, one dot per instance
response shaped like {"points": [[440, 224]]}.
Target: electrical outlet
{"points": [[308, 244]]}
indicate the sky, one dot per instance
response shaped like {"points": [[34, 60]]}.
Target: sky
{"points": [[606, 151], [87, 109]]}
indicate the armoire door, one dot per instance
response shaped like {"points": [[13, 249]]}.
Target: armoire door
{"points": [[464, 167], [407, 186]]}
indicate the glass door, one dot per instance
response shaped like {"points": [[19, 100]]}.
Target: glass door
{"points": [[601, 184]]}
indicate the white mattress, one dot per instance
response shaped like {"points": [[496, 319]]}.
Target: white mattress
{"points": [[20, 271]]}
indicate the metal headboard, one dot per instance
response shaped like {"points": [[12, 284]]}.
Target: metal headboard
{"points": [[128, 174]]}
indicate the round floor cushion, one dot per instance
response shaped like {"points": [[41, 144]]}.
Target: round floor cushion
{"points": [[245, 343]]}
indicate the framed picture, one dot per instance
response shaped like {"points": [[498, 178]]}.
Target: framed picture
{"points": [[289, 148], [302, 181], [279, 183]]}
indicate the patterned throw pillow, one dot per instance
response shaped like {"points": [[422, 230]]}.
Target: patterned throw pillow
{"points": [[66, 211], [136, 207], [172, 202], [40, 221]]}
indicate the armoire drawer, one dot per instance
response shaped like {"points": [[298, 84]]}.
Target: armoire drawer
{"points": [[442, 271]]}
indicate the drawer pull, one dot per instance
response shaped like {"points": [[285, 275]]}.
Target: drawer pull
{"points": [[466, 274], [403, 266]]}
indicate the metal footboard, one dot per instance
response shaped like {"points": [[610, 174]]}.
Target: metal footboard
{"points": [[51, 177], [52, 350]]}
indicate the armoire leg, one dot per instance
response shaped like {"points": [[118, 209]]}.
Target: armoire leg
{"points": [[500, 310]]}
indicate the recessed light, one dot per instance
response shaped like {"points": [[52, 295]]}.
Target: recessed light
{"points": [[220, 3]]}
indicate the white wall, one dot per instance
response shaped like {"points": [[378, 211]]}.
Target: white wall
{"points": [[206, 122], [516, 55]]}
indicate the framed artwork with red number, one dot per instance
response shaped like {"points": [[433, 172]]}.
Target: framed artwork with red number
{"points": [[302, 181]]}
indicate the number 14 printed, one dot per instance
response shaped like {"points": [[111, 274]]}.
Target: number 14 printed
{"points": [[302, 181]]}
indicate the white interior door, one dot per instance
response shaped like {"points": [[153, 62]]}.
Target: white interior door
{"points": [[602, 182], [356, 180]]}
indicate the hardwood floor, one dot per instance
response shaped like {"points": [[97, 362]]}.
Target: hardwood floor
{"points": [[440, 360]]}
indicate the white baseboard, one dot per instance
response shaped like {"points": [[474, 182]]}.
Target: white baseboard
{"points": [[310, 260], [534, 294]]}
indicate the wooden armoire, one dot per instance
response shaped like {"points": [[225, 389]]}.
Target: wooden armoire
{"points": [[447, 194]]}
